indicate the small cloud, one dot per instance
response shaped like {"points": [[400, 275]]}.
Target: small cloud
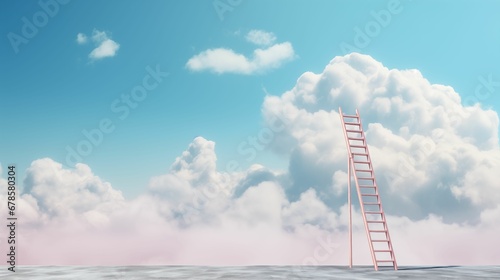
{"points": [[81, 38], [261, 38], [99, 36], [105, 46], [224, 60]]}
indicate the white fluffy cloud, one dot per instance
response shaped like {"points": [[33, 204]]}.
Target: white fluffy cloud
{"points": [[57, 192], [436, 177], [192, 203], [260, 37], [431, 154], [223, 60], [81, 38], [104, 45]]}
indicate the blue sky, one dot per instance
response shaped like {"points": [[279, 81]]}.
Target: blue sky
{"points": [[51, 90]]}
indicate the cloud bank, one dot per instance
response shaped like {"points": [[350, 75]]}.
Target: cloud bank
{"points": [[223, 60], [434, 159]]}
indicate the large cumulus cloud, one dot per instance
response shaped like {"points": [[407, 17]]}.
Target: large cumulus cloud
{"points": [[431, 153]]}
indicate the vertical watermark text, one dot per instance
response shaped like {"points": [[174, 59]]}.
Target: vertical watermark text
{"points": [[11, 218]]}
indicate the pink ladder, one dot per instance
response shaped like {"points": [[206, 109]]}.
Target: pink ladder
{"points": [[360, 165]]}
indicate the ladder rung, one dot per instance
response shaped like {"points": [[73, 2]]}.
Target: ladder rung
{"points": [[350, 116], [379, 240], [380, 222], [385, 261], [351, 123], [356, 131], [367, 186], [367, 178], [373, 212], [358, 146], [385, 251], [378, 230], [368, 194], [356, 138], [360, 154], [363, 170], [371, 203], [366, 162]]}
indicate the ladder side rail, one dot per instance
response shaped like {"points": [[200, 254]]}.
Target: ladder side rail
{"points": [[348, 185], [393, 255], [367, 229]]}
